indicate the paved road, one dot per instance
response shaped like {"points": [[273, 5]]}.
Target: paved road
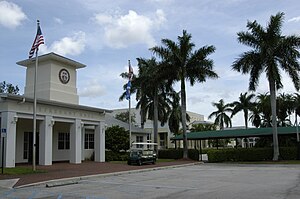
{"points": [[209, 181]]}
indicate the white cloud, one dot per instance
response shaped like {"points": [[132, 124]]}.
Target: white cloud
{"points": [[92, 89], [11, 15], [68, 45], [294, 19], [58, 20], [132, 28]]}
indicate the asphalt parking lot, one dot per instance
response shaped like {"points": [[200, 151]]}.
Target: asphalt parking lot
{"points": [[209, 181]]}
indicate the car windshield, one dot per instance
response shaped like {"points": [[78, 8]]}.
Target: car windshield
{"points": [[134, 153]]}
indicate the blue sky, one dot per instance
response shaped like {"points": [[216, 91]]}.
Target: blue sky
{"points": [[104, 34]]}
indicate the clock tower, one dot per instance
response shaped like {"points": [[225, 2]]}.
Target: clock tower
{"points": [[56, 78]]}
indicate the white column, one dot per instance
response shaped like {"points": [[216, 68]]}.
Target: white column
{"points": [[45, 142], [82, 143], [9, 123], [75, 142], [100, 142]]}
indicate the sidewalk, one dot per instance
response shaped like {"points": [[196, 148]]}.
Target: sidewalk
{"points": [[66, 170]]}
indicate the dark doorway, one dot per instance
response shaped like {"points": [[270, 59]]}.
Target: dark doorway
{"points": [[28, 147]]}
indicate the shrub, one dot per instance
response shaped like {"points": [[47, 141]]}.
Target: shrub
{"points": [[178, 154], [115, 156], [249, 154]]}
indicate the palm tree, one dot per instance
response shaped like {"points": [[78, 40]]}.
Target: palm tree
{"points": [[296, 103], [175, 113], [244, 104], [264, 107], [181, 63], [151, 93], [255, 116], [220, 115], [285, 107], [271, 51]]}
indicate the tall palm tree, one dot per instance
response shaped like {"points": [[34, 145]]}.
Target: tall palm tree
{"points": [[151, 93], [244, 104], [181, 63], [271, 51], [220, 115]]}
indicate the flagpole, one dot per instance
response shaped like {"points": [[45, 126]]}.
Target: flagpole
{"points": [[34, 108], [129, 114]]}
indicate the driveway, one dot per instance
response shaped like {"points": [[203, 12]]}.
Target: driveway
{"points": [[209, 181]]}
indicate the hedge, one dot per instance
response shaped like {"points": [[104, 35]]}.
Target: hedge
{"points": [[113, 156], [178, 154], [250, 154]]}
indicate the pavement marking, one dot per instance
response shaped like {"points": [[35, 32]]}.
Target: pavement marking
{"points": [[9, 183]]}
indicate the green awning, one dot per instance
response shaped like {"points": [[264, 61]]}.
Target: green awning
{"points": [[236, 133]]}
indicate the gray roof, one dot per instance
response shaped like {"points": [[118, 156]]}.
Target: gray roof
{"points": [[51, 56], [111, 121], [53, 103]]}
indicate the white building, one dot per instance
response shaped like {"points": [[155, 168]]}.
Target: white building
{"points": [[164, 134], [66, 131]]}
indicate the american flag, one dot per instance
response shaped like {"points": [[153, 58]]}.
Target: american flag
{"points": [[130, 71], [39, 39]]}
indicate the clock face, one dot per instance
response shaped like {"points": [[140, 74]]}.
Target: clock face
{"points": [[64, 76]]}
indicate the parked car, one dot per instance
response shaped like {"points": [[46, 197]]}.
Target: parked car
{"points": [[140, 156]]}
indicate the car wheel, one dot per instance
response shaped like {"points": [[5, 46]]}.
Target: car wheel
{"points": [[139, 162]]}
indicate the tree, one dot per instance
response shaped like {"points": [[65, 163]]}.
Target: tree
{"points": [[264, 107], [255, 117], [124, 116], [284, 110], [270, 53], [203, 127], [175, 114], [220, 115], [152, 93], [116, 139], [8, 88], [181, 63], [244, 104]]}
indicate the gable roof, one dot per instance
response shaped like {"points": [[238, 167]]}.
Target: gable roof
{"points": [[111, 121], [236, 133]]}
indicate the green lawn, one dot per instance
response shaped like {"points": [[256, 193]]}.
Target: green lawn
{"points": [[20, 170], [158, 160]]}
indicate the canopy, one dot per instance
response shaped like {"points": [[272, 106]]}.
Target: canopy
{"points": [[236, 133]]}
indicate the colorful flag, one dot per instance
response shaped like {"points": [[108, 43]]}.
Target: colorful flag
{"points": [[130, 75], [39, 39], [128, 90]]}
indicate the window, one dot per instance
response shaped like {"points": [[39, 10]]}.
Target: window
{"points": [[89, 141], [63, 141], [139, 139]]}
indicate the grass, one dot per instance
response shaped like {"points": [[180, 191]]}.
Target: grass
{"points": [[158, 160], [20, 171]]}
